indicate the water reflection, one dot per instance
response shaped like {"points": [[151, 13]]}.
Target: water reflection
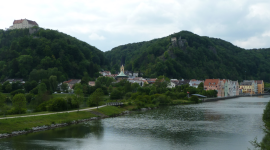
{"points": [[228, 124], [56, 138]]}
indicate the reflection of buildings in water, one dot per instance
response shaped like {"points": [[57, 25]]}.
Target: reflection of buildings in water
{"points": [[209, 116]]}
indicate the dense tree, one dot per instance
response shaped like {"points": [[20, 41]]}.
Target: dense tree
{"points": [[2, 103], [116, 94], [53, 82], [96, 97], [19, 102], [21, 54], [78, 94]]}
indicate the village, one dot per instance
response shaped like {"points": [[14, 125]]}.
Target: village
{"points": [[224, 87]]}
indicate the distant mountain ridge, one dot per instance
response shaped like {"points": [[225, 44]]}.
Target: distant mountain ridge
{"points": [[194, 56]]}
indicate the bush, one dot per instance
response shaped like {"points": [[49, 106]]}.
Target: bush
{"points": [[181, 95], [17, 92], [194, 99], [162, 100], [41, 107], [57, 104], [16, 111], [266, 114]]}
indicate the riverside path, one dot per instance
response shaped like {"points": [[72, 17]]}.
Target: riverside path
{"points": [[86, 109]]}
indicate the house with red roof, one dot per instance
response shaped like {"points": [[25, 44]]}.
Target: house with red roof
{"points": [[215, 84]]}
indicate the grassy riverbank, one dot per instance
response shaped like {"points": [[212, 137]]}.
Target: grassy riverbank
{"points": [[27, 123]]}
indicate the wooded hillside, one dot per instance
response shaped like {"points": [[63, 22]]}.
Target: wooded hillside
{"points": [[47, 52], [199, 57]]}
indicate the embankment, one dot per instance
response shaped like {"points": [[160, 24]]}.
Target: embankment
{"points": [[16, 126], [230, 97]]}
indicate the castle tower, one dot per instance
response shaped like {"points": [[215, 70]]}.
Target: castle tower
{"points": [[174, 41]]}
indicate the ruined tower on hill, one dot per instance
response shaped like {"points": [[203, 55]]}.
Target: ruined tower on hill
{"points": [[178, 43]]}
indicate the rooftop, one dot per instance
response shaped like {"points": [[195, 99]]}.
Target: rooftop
{"points": [[20, 21]]}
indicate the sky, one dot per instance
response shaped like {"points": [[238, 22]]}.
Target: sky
{"points": [[106, 24]]}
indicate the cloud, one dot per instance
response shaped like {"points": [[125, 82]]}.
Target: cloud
{"points": [[95, 36], [260, 41], [238, 21]]}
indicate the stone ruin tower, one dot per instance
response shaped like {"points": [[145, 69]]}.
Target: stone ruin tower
{"points": [[178, 43]]}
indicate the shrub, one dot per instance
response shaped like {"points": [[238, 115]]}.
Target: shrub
{"points": [[162, 99], [266, 114], [57, 104], [41, 107], [186, 98], [16, 111], [194, 99]]}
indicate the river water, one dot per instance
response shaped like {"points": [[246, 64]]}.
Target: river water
{"points": [[224, 125]]}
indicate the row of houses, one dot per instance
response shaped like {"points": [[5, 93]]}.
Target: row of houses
{"points": [[226, 87]]}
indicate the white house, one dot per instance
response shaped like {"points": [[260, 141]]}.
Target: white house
{"points": [[105, 73], [171, 85], [23, 23], [195, 83], [235, 88]]}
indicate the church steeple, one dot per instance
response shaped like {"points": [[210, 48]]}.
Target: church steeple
{"points": [[122, 69]]}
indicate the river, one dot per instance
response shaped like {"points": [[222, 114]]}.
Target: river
{"points": [[224, 125]]}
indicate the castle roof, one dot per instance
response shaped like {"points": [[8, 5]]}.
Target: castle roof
{"points": [[29, 21]]}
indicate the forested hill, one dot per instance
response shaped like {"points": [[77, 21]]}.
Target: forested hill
{"points": [[46, 52], [193, 56]]}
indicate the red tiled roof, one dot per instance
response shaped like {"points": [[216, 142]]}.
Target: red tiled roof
{"points": [[211, 81], [68, 81], [20, 21]]}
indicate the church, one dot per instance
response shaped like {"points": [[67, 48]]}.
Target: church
{"points": [[121, 75], [23, 23]]}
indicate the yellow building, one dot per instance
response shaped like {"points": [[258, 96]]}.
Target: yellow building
{"points": [[246, 87], [249, 86], [260, 84]]}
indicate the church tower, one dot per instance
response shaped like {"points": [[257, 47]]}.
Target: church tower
{"points": [[121, 75], [122, 69]]}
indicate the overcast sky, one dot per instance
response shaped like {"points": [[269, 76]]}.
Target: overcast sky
{"points": [[106, 24]]}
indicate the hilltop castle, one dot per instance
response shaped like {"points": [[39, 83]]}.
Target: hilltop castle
{"points": [[23, 23], [178, 43]]}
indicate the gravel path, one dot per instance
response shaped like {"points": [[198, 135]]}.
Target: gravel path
{"points": [[54, 113]]}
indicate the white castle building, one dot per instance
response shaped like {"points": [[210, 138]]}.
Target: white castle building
{"points": [[23, 23]]}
